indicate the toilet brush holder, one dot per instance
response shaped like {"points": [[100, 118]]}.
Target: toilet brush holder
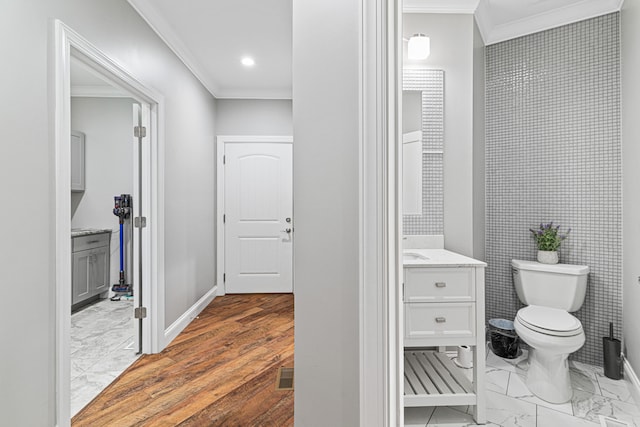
{"points": [[612, 360]]}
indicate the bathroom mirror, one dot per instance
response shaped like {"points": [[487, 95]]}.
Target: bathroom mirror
{"points": [[412, 173], [422, 151]]}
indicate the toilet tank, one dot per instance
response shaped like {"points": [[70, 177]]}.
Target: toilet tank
{"points": [[561, 286]]}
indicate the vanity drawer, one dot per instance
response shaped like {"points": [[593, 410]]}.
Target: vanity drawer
{"points": [[439, 285], [440, 320], [90, 241]]}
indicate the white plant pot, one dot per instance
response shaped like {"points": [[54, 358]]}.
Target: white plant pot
{"points": [[548, 257]]}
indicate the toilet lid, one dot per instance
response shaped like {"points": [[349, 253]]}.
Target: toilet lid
{"points": [[549, 321]]}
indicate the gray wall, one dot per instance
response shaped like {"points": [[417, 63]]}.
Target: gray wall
{"points": [[326, 81], [107, 124], [452, 44], [630, 27], [189, 189], [27, 173], [254, 117], [553, 154]]}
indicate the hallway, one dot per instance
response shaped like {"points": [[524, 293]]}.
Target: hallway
{"points": [[221, 370]]}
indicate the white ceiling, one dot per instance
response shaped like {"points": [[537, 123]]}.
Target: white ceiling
{"points": [[81, 75], [212, 36]]}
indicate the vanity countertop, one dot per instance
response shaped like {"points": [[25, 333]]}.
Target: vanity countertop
{"points": [[437, 258], [77, 232]]}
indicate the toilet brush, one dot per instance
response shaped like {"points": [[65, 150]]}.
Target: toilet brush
{"points": [[612, 359]]}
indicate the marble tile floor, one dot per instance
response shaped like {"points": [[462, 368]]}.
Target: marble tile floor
{"points": [[510, 403], [102, 347]]}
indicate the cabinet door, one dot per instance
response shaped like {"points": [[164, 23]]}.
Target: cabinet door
{"points": [[99, 270], [80, 279], [77, 161]]}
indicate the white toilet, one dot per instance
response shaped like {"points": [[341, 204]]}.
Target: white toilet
{"points": [[551, 292]]}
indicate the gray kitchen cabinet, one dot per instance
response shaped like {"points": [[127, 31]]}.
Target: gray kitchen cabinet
{"points": [[91, 261], [77, 161]]}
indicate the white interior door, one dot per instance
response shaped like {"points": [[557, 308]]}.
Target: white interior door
{"points": [[258, 212], [139, 262]]}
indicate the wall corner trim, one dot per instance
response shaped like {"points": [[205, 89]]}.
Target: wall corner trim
{"points": [[183, 321], [633, 378]]}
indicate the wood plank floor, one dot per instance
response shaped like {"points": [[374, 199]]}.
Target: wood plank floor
{"points": [[220, 371]]}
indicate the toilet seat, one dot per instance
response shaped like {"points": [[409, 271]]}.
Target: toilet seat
{"points": [[549, 321]]}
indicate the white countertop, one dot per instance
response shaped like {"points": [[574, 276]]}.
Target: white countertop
{"points": [[439, 258]]}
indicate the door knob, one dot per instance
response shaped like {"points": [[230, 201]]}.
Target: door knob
{"points": [[286, 230]]}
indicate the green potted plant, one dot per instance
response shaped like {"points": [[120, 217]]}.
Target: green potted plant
{"points": [[548, 239]]}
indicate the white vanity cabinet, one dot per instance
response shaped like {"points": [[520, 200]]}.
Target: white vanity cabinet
{"points": [[443, 298]]}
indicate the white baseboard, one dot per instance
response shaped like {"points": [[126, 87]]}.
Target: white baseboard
{"points": [[630, 374], [183, 321]]}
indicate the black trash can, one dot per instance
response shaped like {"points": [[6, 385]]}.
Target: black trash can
{"points": [[503, 338]]}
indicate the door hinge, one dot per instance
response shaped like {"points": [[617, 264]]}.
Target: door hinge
{"points": [[224, 219], [403, 291], [224, 277], [140, 222], [140, 312], [224, 160], [139, 131]]}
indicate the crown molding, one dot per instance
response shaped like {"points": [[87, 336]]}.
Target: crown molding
{"points": [[255, 94], [483, 21], [162, 28], [569, 14], [439, 6]]}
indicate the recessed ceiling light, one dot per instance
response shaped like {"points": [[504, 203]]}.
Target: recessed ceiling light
{"points": [[248, 62]]}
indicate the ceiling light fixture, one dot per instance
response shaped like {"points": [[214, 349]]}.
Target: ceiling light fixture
{"points": [[419, 46], [248, 62]]}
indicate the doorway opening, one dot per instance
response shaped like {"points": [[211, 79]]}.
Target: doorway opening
{"points": [[105, 339], [86, 277]]}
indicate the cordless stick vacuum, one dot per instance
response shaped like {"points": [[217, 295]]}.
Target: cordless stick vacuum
{"points": [[121, 209]]}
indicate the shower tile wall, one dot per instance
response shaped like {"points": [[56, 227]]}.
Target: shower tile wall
{"points": [[553, 154], [431, 83]]}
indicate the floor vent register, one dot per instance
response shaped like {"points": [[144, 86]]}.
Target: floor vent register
{"points": [[284, 381]]}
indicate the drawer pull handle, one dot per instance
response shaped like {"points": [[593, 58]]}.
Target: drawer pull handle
{"points": [[441, 284], [441, 319], [92, 241]]}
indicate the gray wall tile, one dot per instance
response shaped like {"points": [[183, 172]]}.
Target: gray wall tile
{"points": [[553, 154]]}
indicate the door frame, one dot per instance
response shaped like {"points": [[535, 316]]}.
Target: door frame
{"points": [[66, 44], [381, 370], [221, 140]]}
